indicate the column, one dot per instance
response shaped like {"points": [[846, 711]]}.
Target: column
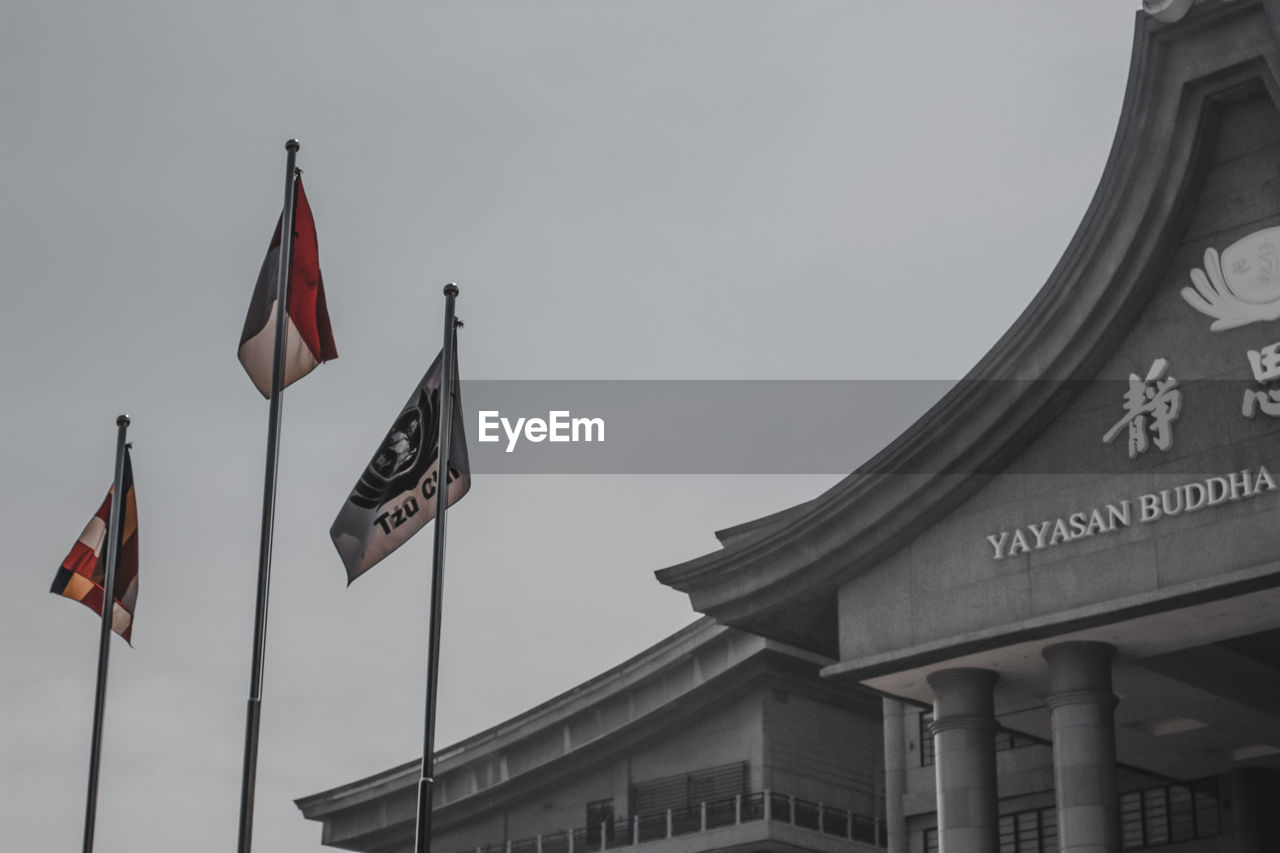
{"points": [[964, 727], [895, 775], [1082, 709]]}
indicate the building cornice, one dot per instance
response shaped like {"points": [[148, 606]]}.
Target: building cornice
{"points": [[664, 686]]}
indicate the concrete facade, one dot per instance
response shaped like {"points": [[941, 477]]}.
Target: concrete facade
{"points": [[710, 740], [1084, 526]]}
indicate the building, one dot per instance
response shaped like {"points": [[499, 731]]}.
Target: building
{"points": [[711, 740], [1063, 582], [1065, 579]]}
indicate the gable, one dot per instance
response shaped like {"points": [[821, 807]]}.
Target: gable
{"points": [[1193, 167], [1104, 511]]}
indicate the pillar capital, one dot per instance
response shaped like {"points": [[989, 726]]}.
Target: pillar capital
{"points": [[1079, 666], [963, 692]]}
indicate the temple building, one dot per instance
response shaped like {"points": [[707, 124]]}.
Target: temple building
{"points": [[1064, 579], [1045, 618]]}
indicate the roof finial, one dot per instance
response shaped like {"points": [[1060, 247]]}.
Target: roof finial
{"points": [[1167, 11]]}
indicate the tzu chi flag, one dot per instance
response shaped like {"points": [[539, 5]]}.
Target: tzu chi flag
{"points": [[82, 574], [309, 338], [397, 493]]}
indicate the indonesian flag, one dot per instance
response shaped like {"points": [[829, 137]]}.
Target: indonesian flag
{"points": [[397, 493], [309, 338], [83, 573]]}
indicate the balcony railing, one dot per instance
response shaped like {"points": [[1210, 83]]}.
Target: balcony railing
{"points": [[713, 814]]}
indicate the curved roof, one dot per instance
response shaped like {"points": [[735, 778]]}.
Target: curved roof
{"points": [[664, 688], [777, 576]]}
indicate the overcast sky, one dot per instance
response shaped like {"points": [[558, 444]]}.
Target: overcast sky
{"points": [[721, 189]]}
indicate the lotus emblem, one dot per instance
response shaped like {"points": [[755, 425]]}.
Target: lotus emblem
{"points": [[1242, 285]]}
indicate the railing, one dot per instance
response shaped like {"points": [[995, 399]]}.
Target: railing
{"points": [[713, 814]]}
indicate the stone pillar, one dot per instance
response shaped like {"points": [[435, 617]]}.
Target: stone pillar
{"points": [[1082, 709], [964, 727], [895, 775]]}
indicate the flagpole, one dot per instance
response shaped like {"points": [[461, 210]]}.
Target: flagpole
{"points": [[104, 634], [253, 716], [422, 835]]}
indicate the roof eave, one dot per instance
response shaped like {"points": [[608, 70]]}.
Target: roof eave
{"points": [[1178, 74]]}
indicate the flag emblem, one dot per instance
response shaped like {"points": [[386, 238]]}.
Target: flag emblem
{"points": [[309, 337], [396, 495], [83, 573]]}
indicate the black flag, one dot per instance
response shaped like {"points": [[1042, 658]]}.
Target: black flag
{"points": [[396, 495]]}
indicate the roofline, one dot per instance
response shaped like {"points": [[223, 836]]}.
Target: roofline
{"points": [[553, 710], [1073, 324], [375, 822], [652, 662]]}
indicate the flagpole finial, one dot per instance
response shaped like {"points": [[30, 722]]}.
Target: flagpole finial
{"points": [[292, 145], [123, 420], [451, 289]]}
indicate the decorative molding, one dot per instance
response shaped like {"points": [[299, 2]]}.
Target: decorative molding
{"points": [[1167, 11]]}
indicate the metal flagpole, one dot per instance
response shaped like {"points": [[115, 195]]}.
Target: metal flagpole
{"points": [[254, 713], [422, 836], [104, 635]]}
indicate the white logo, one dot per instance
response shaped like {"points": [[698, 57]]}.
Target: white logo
{"points": [[1241, 287]]}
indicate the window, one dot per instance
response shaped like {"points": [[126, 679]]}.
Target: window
{"points": [[926, 740], [599, 816], [1034, 831], [1150, 818], [1169, 815], [677, 792]]}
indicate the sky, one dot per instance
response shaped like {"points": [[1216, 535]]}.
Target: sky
{"points": [[720, 190]]}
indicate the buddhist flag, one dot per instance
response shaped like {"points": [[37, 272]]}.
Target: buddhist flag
{"points": [[309, 338], [83, 572], [396, 495]]}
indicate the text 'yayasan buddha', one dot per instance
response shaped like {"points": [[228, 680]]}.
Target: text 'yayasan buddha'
{"points": [[1151, 507]]}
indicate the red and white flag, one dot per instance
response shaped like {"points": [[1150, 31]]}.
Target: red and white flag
{"points": [[82, 576], [309, 338]]}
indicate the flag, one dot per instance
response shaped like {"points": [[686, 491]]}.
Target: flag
{"points": [[396, 495], [83, 572], [309, 338]]}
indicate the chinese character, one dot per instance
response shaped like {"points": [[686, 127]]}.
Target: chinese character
{"points": [[1266, 368], [1259, 398], [1151, 406], [1265, 363]]}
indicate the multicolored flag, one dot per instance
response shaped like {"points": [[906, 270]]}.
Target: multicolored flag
{"points": [[83, 572], [396, 495], [309, 337]]}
